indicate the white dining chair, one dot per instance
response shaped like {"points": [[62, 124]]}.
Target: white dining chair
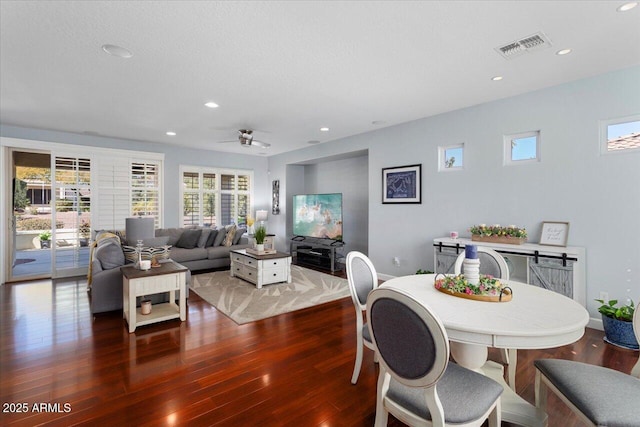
{"points": [[362, 278], [636, 330], [417, 384], [494, 264], [599, 396]]}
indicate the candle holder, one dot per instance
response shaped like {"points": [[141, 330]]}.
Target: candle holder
{"points": [[139, 251]]}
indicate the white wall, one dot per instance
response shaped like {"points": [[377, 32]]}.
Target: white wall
{"points": [[351, 178], [598, 194]]}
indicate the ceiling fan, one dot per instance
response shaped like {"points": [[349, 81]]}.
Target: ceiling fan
{"points": [[245, 136]]}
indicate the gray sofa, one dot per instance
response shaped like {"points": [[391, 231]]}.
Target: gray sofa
{"points": [[206, 251]]}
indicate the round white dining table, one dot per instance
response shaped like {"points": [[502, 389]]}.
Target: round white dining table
{"points": [[535, 318]]}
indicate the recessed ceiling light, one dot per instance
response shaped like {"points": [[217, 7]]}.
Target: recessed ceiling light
{"points": [[211, 104], [324, 129], [496, 78], [563, 52], [171, 133], [118, 51], [627, 6]]}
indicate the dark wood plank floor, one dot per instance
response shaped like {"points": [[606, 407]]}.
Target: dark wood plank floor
{"points": [[290, 370]]}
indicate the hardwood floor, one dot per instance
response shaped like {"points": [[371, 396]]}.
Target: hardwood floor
{"points": [[289, 370]]}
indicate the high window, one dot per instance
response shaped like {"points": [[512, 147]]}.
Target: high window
{"points": [[522, 148], [215, 197], [451, 157], [620, 135]]}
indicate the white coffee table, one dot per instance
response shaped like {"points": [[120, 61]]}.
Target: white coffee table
{"points": [[169, 277], [261, 269]]}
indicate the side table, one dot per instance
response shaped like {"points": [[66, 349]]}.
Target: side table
{"points": [[169, 277]]}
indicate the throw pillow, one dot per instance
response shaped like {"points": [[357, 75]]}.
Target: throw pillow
{"points": [[211, 238], [110, 254], [189, 239], [220, 237], [231, 233], [131, 256], [203, 237], [156, 241], [239, 233]]}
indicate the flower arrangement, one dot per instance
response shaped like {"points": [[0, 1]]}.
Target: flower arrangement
{"points": [[497, 230], [487, 285]]}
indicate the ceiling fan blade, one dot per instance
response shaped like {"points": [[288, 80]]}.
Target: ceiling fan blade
{"points": [[260, 144], [223, 142]]}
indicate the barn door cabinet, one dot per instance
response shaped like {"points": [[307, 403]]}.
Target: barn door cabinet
{"points": [[559, 269]]}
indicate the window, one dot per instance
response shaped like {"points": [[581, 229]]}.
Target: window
{"points": [[451, 157], [620, 135], [215, 197], [145, 190], [522, 148]]}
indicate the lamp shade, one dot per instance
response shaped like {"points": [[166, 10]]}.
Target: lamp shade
{"points": [[261, 215], [139, 228]]}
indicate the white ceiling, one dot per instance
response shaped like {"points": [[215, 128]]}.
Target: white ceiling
{"points": [[286, 68]]}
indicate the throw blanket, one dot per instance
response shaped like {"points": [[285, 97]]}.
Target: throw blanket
{"points": [[94, 245]]}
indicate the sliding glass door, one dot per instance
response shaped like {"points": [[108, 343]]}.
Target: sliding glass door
{"points": [[72, 215]]}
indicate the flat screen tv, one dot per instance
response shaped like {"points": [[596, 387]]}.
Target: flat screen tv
{"points": [[318, 215]]}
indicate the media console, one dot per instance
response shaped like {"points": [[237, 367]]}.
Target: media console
{"points": [[316, 252]]}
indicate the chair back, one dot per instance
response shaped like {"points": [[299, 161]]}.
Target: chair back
{"points": [[491, 263], [636, 321], [409, 338], [362, 278]]}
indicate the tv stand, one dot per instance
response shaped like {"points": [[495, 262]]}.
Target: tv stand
{"points": [[315, 252]]}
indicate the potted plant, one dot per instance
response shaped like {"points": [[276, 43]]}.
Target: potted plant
{"points": [[618, 323], [84, 230], [260, 235], [45, 239]]}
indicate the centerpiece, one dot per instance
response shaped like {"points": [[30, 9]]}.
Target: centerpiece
{"points": [[488, 288], [511, 235]]}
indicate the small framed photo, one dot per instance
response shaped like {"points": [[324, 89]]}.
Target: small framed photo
{"points": [[554, 233], [402, 184]]}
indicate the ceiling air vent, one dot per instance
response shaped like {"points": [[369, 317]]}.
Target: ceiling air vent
{"points": [[530, 43]]}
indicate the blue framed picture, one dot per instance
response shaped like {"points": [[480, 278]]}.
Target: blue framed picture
{"points": [[402, 184]]}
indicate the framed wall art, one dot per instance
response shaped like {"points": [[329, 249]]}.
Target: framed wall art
{"points": [[402, 184], [275, 194], [554, 233]]}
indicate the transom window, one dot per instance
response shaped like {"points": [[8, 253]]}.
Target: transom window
{"points": [[522, 148], [620, 135], [451, 157], [215, 197]]}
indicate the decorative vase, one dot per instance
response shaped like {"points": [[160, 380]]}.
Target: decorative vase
{"points": [[260, 247], [619, 332]]}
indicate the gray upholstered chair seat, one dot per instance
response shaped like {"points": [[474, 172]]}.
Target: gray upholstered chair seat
{"points": [[590, 388], [457, 385]]}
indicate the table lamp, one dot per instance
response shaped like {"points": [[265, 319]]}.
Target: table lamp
{"points": [[261, 215], [139, 228]]}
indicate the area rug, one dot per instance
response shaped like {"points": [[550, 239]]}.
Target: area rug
{"points": [[244, 303]]}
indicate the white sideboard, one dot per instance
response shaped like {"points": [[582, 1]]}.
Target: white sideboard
{"points": [[557, 268]]}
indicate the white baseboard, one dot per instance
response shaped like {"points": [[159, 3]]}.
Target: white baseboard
{"points": [[595, 323]]}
